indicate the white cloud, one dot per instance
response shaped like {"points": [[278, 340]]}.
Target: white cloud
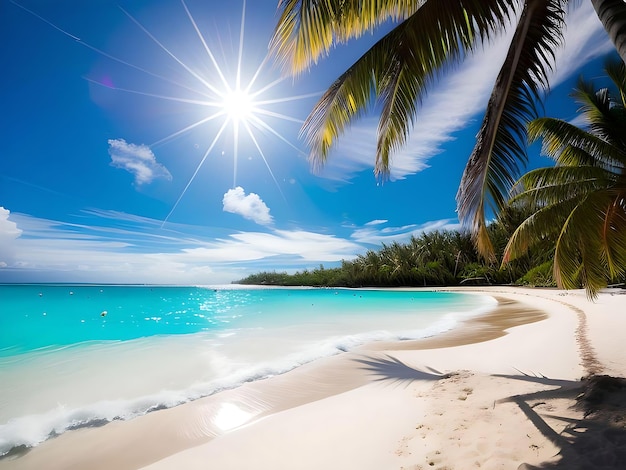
{"points": [[581, 120], [138, 160], [459, 97], [298, 245], [585, 39], [249, 206], [375, 236], [377, 222], [9, 233], [141, 252], [8, 229]]}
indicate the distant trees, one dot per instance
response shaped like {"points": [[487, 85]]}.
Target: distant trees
{"points": [[433, 259]]}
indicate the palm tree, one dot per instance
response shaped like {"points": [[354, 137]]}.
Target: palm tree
{"points": [[430, 36], [580, 204]]}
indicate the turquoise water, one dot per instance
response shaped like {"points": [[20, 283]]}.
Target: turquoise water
{"points": [[42, 316], [75, 355], [35, 317]]}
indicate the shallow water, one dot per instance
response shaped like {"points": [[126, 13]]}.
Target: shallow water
{"points": [[81, 355]]}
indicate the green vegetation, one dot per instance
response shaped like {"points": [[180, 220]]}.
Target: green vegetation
{"points": [[580, 203], [432, 259]]}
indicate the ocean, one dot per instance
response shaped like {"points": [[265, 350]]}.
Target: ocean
{"points": [[76, 356]]}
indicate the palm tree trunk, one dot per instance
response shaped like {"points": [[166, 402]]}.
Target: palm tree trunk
{"points": [[612, 14]]}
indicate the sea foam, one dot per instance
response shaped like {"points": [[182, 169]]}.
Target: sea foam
{"points": [[57, 388]]}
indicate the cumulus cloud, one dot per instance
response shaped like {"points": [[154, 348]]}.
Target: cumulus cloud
{"points": [[249, 206], [138, 160], [8, 229], [9, 232]]}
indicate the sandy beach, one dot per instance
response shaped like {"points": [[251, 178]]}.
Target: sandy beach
{"points": [[502, 391]]}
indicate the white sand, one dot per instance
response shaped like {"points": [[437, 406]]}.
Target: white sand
{"points": [[504, 403]]}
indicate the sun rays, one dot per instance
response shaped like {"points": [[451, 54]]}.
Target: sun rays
{"points": [[239, 105], [231, 103]]}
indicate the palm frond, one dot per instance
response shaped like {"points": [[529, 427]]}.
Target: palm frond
{"points": [[346, 98], [591, 218], [399, 69], [545, 186], [542, 225], [616, 70], [500, 148], [594, 104], [307, 29], [579, 257], [571, 145], [614, 233], [606, 119]]}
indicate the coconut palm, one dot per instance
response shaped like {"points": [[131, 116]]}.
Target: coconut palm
{"points": [[580, 203], [430, 36]]}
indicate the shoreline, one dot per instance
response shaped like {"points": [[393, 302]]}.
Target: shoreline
{"points": [[384, 387]]}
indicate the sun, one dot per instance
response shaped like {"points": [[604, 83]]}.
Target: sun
{"points": [[238, 105]]}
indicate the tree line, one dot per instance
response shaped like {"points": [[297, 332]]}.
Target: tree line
{"points": [[437, 258]]}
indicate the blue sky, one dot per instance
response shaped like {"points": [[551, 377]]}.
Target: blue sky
{"points": [[116, 165]]}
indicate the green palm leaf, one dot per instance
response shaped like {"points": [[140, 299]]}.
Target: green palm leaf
{"points": [[614, 233], [581, 203], [545, 186], [308, 29], [606, 120], [571, 145], [616, 70], [500, 147], [543, 224], [579, 258], [398, 71]]}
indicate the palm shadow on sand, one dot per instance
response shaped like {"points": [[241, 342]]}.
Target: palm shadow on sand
{"points": [[397, 372], [596, 441]]}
